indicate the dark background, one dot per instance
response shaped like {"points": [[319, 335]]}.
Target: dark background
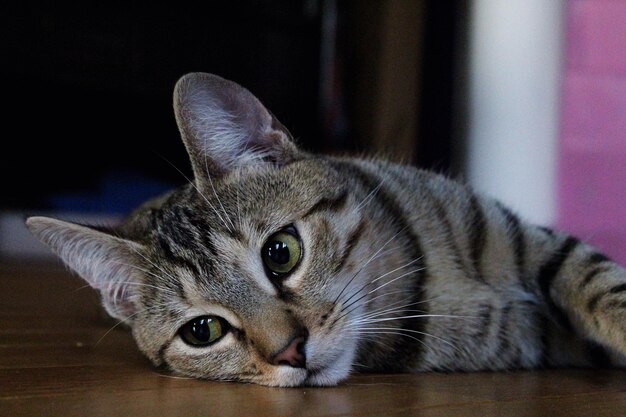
{"points": [[87, 87]]}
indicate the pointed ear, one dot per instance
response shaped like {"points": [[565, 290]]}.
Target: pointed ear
{"points": [[225, 127], [103, 260]]}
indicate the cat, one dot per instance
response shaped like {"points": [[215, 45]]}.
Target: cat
{"points": [[283, 268]]}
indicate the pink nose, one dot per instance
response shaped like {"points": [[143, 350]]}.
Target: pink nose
{"points": [[292, 354]]}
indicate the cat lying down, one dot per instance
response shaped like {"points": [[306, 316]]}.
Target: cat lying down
{"points": [[283, 268]]}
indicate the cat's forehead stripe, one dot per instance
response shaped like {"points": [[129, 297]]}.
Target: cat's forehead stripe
{"points": [[353, 238], [328, 204]]}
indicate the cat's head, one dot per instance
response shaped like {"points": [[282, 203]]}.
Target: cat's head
{"points": [[245, 273]]}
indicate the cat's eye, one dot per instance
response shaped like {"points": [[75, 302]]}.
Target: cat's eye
{"points": [[203, 330], [282, 251]]}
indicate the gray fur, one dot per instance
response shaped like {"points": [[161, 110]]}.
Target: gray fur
{"points": [[403, 270]]}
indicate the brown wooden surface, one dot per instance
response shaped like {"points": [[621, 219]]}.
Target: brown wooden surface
{"points": [[55, 362]]}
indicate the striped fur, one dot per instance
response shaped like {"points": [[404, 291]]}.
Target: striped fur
{"points": [[402, 270]]}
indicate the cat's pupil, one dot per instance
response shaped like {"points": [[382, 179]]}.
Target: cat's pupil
{"points": [[200, 330], [278, 252]]}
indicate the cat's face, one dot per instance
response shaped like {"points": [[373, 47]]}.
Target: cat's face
{"points": [[244, 285], [248, 273]]}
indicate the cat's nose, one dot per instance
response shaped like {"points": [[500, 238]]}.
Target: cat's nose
{"points": [[292, 354]]}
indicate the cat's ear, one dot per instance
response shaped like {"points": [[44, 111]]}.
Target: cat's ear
{"points": [[103, 260], [225, 127]]}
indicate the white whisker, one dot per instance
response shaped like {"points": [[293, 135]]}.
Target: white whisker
{"points": [[208, 174], [412, 331], [367, 263], [415, 316], [193, 184], [127, 319], [381, 308], [369, 196], [239, 207], [394, 306], [381, 277], [157, 267], [377, 297], [383, 286], [149, 273], [374, 332]]}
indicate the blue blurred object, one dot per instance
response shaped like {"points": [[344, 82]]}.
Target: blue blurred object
{"points": [[119, 193]]}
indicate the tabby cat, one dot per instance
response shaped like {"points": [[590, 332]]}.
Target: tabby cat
{"points": [[283, 268]]}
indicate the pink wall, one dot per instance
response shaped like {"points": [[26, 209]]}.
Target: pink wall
{"points": [[592, 166]]}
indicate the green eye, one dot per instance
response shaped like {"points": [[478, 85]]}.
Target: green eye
{"points": [[203, 330], [282, 252]]}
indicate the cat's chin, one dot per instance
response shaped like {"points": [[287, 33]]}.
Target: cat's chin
{"points": [[332, 373], [325, 378], [303, 378], [290, 377]]}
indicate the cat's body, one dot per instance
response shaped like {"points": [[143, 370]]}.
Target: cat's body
{"points": [[309, 267]]}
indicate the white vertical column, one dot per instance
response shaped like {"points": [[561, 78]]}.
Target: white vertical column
{"points": [[515, 61]]}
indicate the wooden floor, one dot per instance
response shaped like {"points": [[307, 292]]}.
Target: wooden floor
{"points": [[54, 361]]}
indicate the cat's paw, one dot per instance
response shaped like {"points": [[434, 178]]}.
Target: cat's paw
{"points": [[609, 314]]}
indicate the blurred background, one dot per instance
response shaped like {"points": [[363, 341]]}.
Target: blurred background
{"points": [[523, 99]]}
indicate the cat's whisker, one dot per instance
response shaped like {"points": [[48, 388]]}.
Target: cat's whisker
{"points": [[382, 286], [379, 316], [172, 376], [378, 320], [158, 268], [124, 321], [379, 309], [127, 319], [367, 263], [383, 313], [368, 197], [193, 184], [398, 333], [238, 206], [358, 321], [165, 289], [390, 307], [208, 175], [380, 296], [81, 288], [381, 277], [415, 332], [359, 364], [145, 258], [139, 284], [394, 306], [396, 269]]}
